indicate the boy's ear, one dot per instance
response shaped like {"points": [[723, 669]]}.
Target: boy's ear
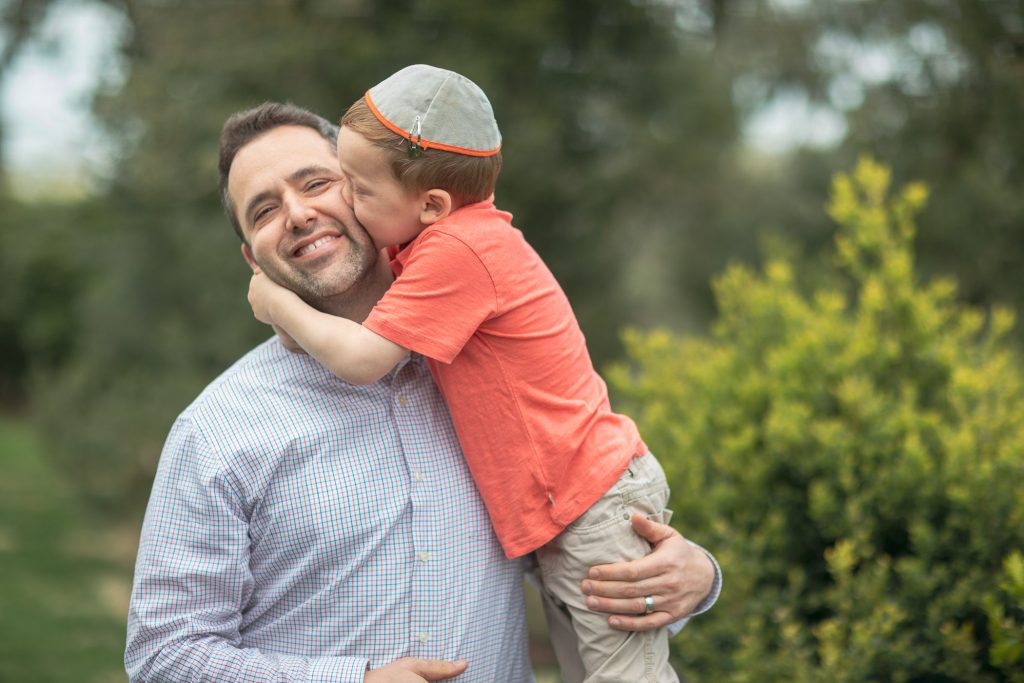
{"points": [[435, 205], [247, 255]]}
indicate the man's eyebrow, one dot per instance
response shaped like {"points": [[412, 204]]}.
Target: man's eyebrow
{"points": [[307, 171], [295, 177]]}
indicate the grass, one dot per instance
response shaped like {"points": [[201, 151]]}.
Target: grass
{"points": [[64, 583]]}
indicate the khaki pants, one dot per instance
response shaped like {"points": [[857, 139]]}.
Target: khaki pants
{"points": [[588, 649]]}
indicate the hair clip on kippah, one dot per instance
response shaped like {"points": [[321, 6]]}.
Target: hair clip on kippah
{"points": [[415, 147]]}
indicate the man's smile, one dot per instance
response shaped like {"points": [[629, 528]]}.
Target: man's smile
{"points": [[315, 245], [318, 243]]}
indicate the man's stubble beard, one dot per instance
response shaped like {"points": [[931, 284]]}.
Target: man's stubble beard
{"points": [[329, 289]]}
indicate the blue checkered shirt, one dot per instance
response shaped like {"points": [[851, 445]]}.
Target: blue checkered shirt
{"points": [[302, 529]]}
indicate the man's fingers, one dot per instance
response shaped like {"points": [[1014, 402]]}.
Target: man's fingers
{"points": [[647, 566], [410, 670], [648, 622], [637, 570], [655, 532], [620, 589], [434, 670], [670, 606], [631, 606]]}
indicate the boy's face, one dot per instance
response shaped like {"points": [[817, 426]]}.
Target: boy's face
{"points": [[388, 212]]}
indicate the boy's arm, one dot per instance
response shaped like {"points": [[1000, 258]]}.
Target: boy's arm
{"points": [[346, 348]]}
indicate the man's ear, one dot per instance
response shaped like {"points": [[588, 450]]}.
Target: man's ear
{"points": [[247, 255], [435, 205]]}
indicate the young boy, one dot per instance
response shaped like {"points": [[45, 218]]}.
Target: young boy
{"points": [[560, 472]]}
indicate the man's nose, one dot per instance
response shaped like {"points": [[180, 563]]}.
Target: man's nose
{"points": [[300, 215]]}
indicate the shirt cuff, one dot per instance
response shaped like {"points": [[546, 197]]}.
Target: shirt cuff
{"points": [[708, 602], [338, 670]]}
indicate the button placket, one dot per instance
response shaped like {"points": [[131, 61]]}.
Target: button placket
{"points": [[422, 621]]}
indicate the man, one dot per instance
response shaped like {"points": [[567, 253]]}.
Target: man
{"points": [[303, 529]]}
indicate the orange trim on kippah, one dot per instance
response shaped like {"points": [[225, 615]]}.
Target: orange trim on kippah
{"points": [[424, 143]]}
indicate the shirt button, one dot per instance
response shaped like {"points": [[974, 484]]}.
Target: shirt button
{"points": [[418, 476], [424, 557], [401, 400], [423, 637]]}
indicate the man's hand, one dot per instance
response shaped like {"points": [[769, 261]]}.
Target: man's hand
{"points": [[676, 575], [264, 294], [409, 670]]}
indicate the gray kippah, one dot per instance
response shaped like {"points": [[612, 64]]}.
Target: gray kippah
{"points": [[436, 108]]}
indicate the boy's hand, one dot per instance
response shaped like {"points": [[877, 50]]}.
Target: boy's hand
{"points": [[676, 575], [264, 294], [409, 670]]}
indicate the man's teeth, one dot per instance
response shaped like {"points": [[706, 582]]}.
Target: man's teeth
{"points": [[315, 245]]}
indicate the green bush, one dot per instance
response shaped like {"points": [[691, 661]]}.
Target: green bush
{"points": [[1006, 621], [853, 456]]}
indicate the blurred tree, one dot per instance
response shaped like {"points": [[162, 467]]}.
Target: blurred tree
{"points": [[935, 87], [604, 114], [43, 270], [18, 21], [624, 165]]}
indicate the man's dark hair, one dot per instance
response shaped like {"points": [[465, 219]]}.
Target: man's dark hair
{"points": [[245, 126]]}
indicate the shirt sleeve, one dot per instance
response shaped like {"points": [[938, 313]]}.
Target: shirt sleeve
{"points": [[192, 581], [708, 602], [441, 298]]}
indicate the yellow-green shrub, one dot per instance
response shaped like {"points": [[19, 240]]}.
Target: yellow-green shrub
{"points": [[854, 456], [1006, 619]]}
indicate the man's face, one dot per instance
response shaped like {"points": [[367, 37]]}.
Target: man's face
{"points": [[286, 190]]}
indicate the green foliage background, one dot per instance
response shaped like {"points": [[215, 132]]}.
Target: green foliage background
{"points": [[855, 450], [799, 387]]}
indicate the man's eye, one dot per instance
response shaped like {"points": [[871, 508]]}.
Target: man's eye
{"points": [[262, 213], [316, 184]]}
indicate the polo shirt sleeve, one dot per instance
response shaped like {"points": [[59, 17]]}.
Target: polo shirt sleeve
{"points": [[442, 296]]}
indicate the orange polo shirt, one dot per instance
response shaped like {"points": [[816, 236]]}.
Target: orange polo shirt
{"points": [[506, 351]]}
